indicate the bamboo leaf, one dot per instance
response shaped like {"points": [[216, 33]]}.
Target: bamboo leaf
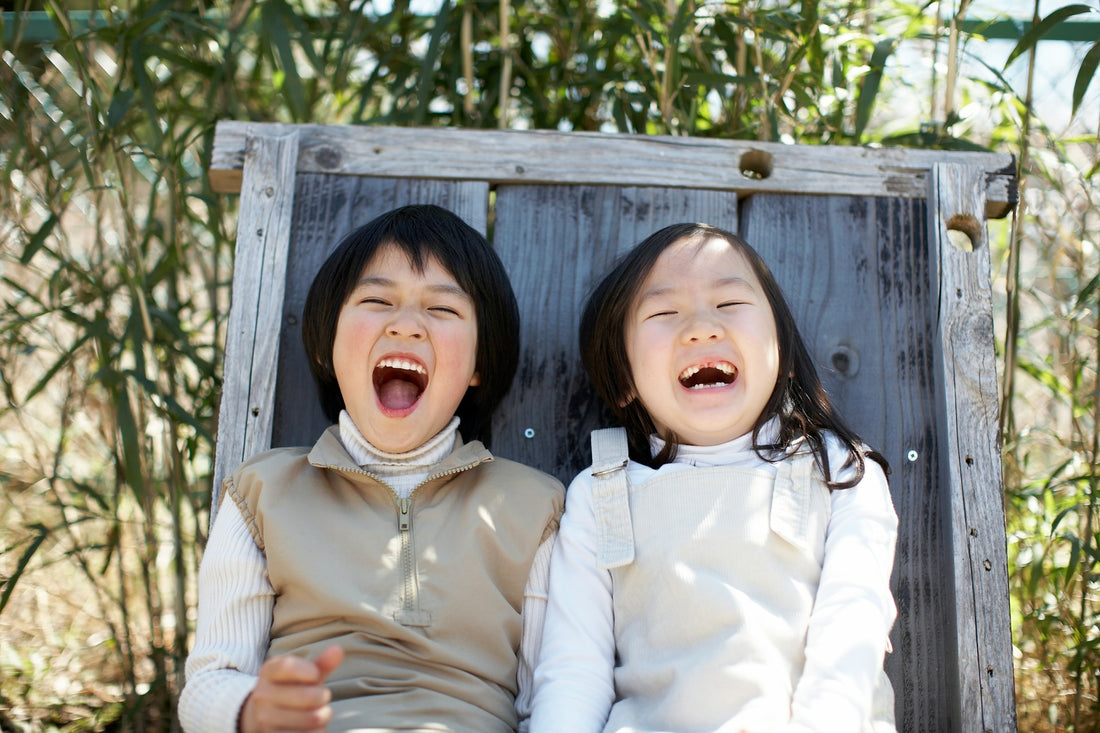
{"points": [[38, 239], [57, 365], [1062, 515], [120, 105], [1074, 557], [426, 87], [1085, 75], [1039, 30], [131, 442], [277, 17], [870, 83], [21, 565], [1089, 289], [684, 15], [1045, 377]]}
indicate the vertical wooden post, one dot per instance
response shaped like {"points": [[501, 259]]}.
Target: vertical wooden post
{"points": [[972, 459], [259, 281]]}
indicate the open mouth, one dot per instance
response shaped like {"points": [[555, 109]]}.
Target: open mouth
{"points": [[707, 376], [399, 383]]}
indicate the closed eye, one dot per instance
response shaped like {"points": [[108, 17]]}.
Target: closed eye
{"points": [[731, 303], [660, 314], [371, 300], [445, 309]]}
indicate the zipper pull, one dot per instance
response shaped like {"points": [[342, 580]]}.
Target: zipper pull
{"points": [[403, 505]]}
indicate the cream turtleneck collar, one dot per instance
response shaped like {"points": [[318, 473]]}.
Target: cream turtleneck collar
{"points": [[402, 471]]}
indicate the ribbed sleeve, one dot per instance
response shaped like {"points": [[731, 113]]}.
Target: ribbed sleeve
{"points": [[234, 622], [534, 614]]}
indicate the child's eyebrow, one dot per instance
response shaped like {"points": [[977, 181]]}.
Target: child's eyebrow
{"points": [[439, 288], [657, 292]]}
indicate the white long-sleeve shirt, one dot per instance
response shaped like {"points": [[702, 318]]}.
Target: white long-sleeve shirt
{"points": [[232, 634], [847, 636]]}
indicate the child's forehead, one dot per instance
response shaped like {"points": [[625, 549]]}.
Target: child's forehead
{"points": [[392, 256], [687, 262]]}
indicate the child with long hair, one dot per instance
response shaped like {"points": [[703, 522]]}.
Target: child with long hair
{"points": [[391, 577], [724, 565]]}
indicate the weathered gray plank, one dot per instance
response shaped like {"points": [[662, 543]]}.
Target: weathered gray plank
{"points": [[326, 208], [556, 241], [854, 272], [251, 350], [546, 156], [968, 399], [866, 274]]}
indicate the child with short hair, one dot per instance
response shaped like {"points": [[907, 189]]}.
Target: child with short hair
{"points": [[724, 565], [393, 576]]}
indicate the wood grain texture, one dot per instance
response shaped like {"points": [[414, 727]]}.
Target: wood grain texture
{"points": [[556, 241], [972, 466], [545, 156], [327, 207], [855, 272], [898, 320], [246, 413]]}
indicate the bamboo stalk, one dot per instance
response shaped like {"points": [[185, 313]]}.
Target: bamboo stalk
{"points": [[505, 64]]}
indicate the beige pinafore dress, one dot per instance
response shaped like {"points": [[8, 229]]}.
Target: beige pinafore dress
{"points": [[714, 573]]}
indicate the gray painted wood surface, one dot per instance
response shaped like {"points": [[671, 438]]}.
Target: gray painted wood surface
{"points": [[898, 319]]}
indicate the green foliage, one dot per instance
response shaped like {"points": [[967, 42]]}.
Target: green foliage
{"points": [[1040, 30], [1052, 456], [115, 259]]}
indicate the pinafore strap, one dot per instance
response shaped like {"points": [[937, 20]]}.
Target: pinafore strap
{"points": [[611, 499]]}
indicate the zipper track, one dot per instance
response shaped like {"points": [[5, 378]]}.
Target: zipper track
{"points": [[410, 613]]}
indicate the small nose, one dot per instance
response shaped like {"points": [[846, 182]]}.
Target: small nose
{"points": [[701, 327], [405, 324]]}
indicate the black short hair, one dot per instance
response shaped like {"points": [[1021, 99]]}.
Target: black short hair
{"points": [[799, 398], [421, 231]]}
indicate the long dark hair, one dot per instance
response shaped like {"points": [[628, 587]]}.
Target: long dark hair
{"points": [[422, 232], [799, 399]]}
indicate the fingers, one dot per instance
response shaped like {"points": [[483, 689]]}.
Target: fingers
{"points": [[288, 669], [290, 694], [328, 660]]}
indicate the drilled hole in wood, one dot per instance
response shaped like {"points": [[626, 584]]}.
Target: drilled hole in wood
{"points": [[756, 164], [964, 231]]}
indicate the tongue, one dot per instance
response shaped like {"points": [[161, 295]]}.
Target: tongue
{"points": [[398, 394]]}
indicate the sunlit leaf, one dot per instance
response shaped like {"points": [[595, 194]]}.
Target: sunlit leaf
{"points": [[869, 85], [1040, 29], [1085, 75]]}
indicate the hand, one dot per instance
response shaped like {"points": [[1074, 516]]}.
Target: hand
{"points": [[290, 694]]}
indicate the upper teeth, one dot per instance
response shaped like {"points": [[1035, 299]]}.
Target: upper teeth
{"points": [[691, 371], [406, 364]]}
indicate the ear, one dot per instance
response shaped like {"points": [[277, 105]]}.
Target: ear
{"points": [[475, 381]]}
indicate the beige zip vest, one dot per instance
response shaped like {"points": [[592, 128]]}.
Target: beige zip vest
{"points": [[424, 594]]}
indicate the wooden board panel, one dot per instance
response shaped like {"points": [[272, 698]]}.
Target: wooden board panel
{"points": [[326, 208], [855, 272], [971, 470], [899, 321], [556, 241], [548, 156], [246, 412]]}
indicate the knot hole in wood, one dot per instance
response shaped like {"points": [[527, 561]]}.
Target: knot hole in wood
{"points": [[328, 158], [844, 361]]}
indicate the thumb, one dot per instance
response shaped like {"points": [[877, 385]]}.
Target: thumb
{"points": [[328, 661]]}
